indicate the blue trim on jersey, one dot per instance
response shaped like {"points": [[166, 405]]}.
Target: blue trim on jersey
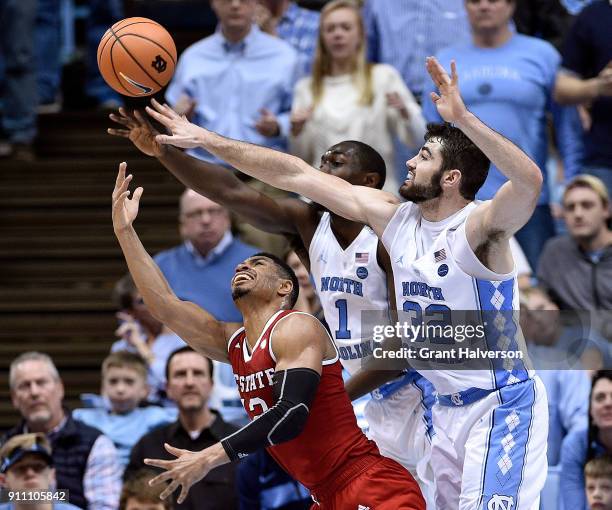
{"points": [[464, 398], [501, 329], [388, 389], [428, 399], [483, 474], [478, 300], [507, 445]]}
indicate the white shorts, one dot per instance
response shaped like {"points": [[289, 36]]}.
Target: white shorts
{"points": [[491, 454], [400, 425]]}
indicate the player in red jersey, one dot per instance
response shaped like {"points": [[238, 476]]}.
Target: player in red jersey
{"points": [[288, 374]]}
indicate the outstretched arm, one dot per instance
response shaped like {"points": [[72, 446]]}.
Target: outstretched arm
{"points": [[515, 201], [193, 324], [300, 346], [364, 205], [213, 181]]}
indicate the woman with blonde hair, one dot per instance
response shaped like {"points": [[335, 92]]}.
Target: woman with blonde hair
{"points": [[347, 98]]}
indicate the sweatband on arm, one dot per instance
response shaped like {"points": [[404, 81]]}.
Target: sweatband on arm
{"points": [[294, 390]]}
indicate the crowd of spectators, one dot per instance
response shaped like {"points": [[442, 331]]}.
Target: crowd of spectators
{"points": [[299, 80]]}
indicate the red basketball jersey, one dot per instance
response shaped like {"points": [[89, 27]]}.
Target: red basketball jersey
{"points": [[331, 438]]}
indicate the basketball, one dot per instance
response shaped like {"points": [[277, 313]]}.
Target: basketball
{"points": [[136, 57]]}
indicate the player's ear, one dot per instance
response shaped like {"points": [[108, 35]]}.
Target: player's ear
{"points": [[372, 180], [451, 177], [285, 287]]}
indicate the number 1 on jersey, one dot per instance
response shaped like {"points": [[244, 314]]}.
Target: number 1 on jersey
{"points": [[342, 333]]}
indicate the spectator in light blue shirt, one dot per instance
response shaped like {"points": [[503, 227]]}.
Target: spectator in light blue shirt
{"points": [[124, 384], [237, 82], [583, 445], [507, 80], [293, 24]]}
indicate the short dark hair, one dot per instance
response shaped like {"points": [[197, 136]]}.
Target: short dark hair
{"points": [[285, 272], [459, 152], [367, 159], [181, 351], [123, 292]]}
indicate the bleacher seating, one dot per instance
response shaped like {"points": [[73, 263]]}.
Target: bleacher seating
{"points": [[58, 254]]}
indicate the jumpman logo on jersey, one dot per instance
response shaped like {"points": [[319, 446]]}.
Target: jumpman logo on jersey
{"points": [[322, 259]]}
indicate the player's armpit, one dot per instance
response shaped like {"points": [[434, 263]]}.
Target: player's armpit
{"points": [[501, 217], [294, 390]]}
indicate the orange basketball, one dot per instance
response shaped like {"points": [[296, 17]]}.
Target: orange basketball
{"points": [[136, 57]]}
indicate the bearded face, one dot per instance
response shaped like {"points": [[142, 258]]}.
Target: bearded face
{"points": [[417, 192]]}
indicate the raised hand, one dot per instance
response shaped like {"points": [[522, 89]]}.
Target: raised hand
{"points": [[139, 131], [449, 103], [132, 332], [125, 209], [184, 134], [188, 468]]}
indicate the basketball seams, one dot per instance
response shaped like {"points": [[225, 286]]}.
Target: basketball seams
{"points": [[118, 39], [154, 42], [117, 30], [130, 93], [133, 22], [101, 50]]}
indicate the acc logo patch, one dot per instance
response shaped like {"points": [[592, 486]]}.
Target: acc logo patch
{"points": [[442, 270], [362, 272], [498, 502]]}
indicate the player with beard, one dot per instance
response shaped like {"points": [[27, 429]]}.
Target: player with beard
{"points": [[289, 377], [449, 253]]}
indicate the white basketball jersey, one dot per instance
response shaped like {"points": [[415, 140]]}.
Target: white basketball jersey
{"points": [[436, 272], [347, 282]]}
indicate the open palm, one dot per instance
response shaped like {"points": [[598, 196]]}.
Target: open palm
{"points": [[183, 133], [139, 131], [449, 103], [125, 209]]}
